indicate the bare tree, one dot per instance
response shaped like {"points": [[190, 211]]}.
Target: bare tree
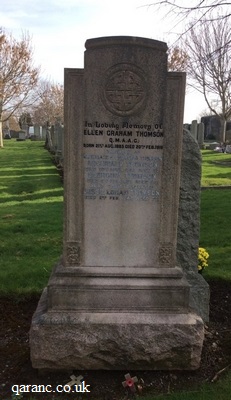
{"points": [[208, 46], [184, 8], [177, 59], [198, 10], [18, 76], [49, 106]]}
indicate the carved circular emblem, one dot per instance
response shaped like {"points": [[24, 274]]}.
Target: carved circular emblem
{"points": [[124, 89]]}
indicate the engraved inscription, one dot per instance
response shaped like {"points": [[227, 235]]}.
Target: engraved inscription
{"points": [[124, 135], [165, 254], [122, 160], [122, 176], [124, 90]]}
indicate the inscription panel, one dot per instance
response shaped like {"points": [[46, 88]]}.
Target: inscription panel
{"points": [[122, 152], [122, 162]]}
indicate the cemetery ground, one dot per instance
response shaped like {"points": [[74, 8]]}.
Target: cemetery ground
{"points": [[31, 197]]}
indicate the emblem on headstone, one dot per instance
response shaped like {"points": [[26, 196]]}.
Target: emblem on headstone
{"points": [[73, 253], [165, 254], [124, 89]]}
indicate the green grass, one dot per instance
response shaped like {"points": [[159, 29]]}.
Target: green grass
{"points": [[216, 168], [220, 390], [215, 233], [31, 203]]}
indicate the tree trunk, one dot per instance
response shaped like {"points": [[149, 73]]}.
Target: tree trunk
{"points": [[223, 130]]}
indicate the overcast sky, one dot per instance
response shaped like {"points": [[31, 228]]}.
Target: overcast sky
{"points": [[59, 29]]}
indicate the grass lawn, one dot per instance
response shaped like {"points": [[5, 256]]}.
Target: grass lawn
{"points": [[215, 234], [216, 391], [216, 169], [31, 213]]}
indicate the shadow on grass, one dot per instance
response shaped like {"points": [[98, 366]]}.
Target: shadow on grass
{"points": [[32, 197], [226, 175], [26, 188], [16, 172], [31, 243]]}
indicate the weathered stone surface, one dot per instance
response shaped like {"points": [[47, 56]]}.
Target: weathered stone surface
{"points": [[189, 225], [118, 299], [115, 340]]}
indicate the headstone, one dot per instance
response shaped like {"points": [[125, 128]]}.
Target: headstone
{"points": [[200, 134], [59, 141], [37, 132], [189, 225], [60, 132], [228, 149], [6, 134], [48, 142], [52, 139], [117, 299], [44, 132], [212, 125], [193, 129], [214, 145], [54, 135], [25, 128], [58, 136], [187, 126], [6, 131], [21, 136]]}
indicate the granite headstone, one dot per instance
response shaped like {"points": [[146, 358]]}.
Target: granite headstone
{"points": [[117, 299]]}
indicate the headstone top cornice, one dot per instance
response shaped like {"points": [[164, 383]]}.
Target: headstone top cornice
{"points": [[125, 40]]}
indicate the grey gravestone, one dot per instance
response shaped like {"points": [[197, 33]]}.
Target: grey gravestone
{"points": [[25, 128], [193, 129], [189, 225], [60, 133], [214, 145], [212, 125], [52, 139], [21, 136], [37, 132], [6, 131], [118, 299], [58, 137], [59, 150], [44, 132], [200, 134]]}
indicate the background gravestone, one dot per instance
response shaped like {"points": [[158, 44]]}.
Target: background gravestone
{"points": [[117, 299], [194, 129], [189, 225], [21, 136], [37, 132], [200, 135], [44, 132]]}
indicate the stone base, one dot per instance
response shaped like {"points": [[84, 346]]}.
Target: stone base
{"points": [[115, 341]]}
